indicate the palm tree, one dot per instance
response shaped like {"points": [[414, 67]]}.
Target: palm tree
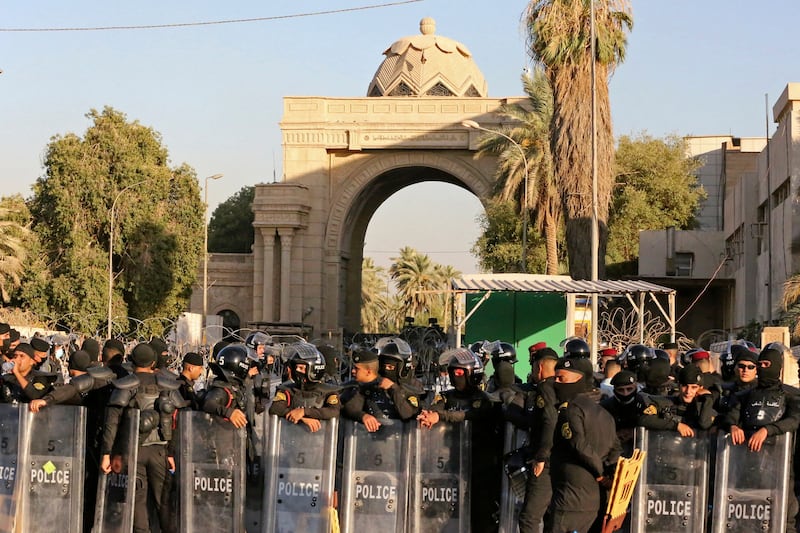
{"points": [[560, 41], [531, 131], [374, 297], [417, 281], [14, 233]]}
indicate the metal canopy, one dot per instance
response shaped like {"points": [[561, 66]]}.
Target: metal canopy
{"points": [[560, 284], [565, 285]]}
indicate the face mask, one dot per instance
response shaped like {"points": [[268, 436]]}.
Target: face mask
{"points": [[625, 399], [504, 375], [567, 391], [5, 346]]}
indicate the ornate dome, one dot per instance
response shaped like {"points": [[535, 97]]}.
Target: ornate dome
{"points": [[427, 65]]}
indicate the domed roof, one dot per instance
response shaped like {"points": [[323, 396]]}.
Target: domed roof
{"points": [[427, 65]]}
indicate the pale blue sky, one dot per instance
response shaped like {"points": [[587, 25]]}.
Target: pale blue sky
{"points": [[214, 92]]}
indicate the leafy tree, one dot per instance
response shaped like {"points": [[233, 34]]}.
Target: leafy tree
{"points": [[531, 131], [498, 248], [121, 167], [374, 297], [656, 188], [560, 41], [230, 229], [15, 244]]}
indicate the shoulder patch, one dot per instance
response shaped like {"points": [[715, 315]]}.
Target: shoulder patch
{"points": [[333, 399], [566, 432], [438, 398], [650, 410], [38, 385], [413, 401], [476, 404], [563, 405], [280, 396], [539, 401]]}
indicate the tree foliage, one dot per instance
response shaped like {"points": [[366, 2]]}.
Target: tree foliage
{"points": [[656, 188], [560, 41], [230, 229], [117, 168], [16, 244], [498, 247]]}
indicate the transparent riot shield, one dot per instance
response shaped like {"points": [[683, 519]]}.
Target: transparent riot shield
{"points": [[253, 512], [513, 484], [750, 488], [439, 481], [13, 446], [374, 477], [211, 473], [116, 490], [672, 491], [52, 484], [300, 471]]}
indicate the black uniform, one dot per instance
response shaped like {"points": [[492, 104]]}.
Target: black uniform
{"points": [[487, 444], [156, 397], [397, 402], [585, 448], [672, 410], [318, 400], [638, 411], [535, 410], [188, 393], [39, 384]]}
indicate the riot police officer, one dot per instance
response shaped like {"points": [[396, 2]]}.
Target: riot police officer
{"points": [[304, 397], [227, 397], [156, 396], [24, 383], [374, 397], [466, 401]]}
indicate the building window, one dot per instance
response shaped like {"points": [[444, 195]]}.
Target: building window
{"points": [[683, 263], [780, 194]]}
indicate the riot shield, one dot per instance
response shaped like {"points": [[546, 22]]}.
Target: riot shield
{"points": [[211, 473], [439, 481], [671, 493], [374, 477], [253, 512], [116, 490], [13, 446], [52, 484], [513, 484], [750, 488], [300, 471]]}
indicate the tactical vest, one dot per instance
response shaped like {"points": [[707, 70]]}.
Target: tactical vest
{"points": [[762, 407], [378, 403]]}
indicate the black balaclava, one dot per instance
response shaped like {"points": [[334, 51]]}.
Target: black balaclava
{"points": [[771, 375], [504, 374], [624, 377], [567, 391]]}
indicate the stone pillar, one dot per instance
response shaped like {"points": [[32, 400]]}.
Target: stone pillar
{"points": [[258, 276], [267, 267], [286, 268]]}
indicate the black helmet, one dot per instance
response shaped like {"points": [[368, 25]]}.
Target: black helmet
{"points": [[577, 348], [727, 363], [231, 362], [637, 356], [395, 351], [660, 354], [303, 353], [479, 349], [254, 340], [464, 366], [501, 351]]}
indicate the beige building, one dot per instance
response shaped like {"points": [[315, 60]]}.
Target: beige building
{"points": [[746, 246], [342, 158]]}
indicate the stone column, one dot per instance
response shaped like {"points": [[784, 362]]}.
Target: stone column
{"points": [[267, 267], [286, 267], [258, 276]]}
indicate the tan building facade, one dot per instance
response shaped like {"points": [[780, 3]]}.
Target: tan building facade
{"points": [[757, 227]]}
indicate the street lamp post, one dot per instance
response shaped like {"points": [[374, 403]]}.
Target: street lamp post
{"points": [[205, 254], [524, 259], [111, 248]]}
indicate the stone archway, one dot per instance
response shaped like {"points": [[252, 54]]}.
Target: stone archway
{"points": [[371, 185]]}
